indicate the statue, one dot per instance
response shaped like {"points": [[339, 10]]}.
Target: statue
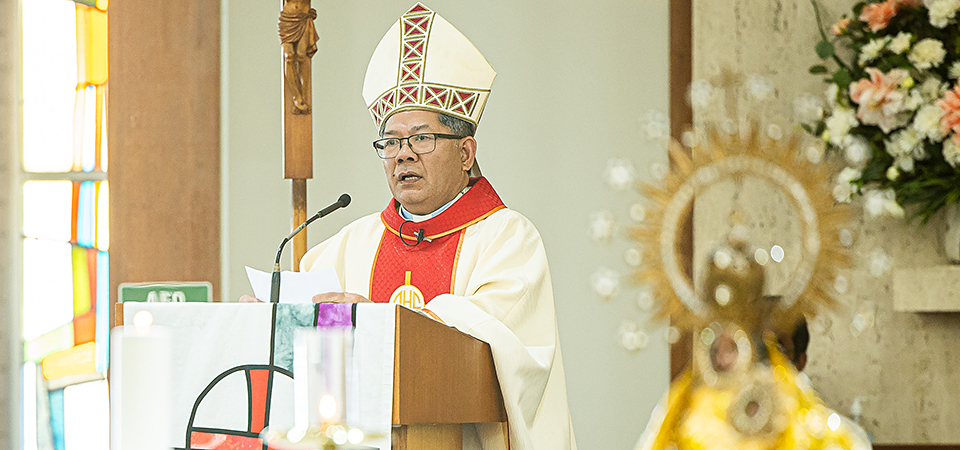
{"points": [[298, 38]]}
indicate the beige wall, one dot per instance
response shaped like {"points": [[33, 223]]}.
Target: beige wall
{"points": [[9, 292], [906, 365], [574, 79]]}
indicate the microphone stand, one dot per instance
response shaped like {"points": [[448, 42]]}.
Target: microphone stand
{"points": [[342, 202]]}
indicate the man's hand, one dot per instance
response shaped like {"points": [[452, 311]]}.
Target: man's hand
{"points": [[249, 299], [340, 297]]}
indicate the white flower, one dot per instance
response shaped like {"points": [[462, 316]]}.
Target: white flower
{"points": [[840, 123], [942, 11], [905, 147], [871, 50], [844, 189], [831, 94], [881, 202], [602, 226], [927, 122], [903, 143], [606, 282], [900, 43], [619, 173], [808, 108], [927, 53], [655, 125], [893, 173], [759, 88], [951, 153], [932, 88], [856, 149], [913, 100], [905, 164], [702, 94], [955, 70]]}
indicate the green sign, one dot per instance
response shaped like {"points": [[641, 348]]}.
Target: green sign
{"points": [[201, 291]]}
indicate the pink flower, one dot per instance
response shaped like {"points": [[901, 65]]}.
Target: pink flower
{"points": [[841, 26], [950, 105], [878, 15], [879, 99]]}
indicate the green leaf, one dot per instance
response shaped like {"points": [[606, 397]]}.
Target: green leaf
{"points": [[824, 49], [807, 127], [818, 69], [842, 78]]}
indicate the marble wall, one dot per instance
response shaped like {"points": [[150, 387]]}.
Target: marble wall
{"points": [[9, 308], [905, 367]]}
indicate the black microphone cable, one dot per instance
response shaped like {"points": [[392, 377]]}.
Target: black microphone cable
{"points": [[419, 235]]}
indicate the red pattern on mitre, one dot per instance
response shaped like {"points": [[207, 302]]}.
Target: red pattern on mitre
{"points": [[432, 263], [398, 78]]}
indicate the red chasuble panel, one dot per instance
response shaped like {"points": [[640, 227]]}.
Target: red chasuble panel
{"points": [[412, 275]]}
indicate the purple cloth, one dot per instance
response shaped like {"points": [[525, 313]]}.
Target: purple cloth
{"points": [[335, 315]]}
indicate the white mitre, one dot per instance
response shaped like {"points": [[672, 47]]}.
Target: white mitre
{"points": [[423, 62]]}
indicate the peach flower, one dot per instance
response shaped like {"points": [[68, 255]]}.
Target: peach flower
{"points": [[879, 99], [841, 26], [878, 15], [950, 104]]}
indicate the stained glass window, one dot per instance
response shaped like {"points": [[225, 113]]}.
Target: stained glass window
{"points": [[66, 230]]}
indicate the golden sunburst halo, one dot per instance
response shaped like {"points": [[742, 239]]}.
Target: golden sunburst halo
{"points": [[721, 157]]}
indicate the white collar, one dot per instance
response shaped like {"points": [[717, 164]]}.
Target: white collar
{"points": [[420, 218]]}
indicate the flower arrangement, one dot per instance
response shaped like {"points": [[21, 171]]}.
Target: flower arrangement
{"points": [[892, 104]]}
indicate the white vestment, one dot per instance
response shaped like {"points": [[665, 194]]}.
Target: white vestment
{"points": [[502, 294]]}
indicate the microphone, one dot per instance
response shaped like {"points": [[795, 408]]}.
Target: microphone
{"points": [[342, 202], [419, 235]]}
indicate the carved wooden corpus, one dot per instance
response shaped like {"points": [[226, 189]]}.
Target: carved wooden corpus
{"points": [[298, 40]]}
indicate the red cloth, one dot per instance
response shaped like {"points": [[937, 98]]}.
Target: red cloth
{"points": [[432, 264]]}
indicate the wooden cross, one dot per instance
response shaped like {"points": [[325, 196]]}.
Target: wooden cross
{"points": [[298, 40]]}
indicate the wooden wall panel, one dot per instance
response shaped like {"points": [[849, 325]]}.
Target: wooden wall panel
{"points": [[164, 138], [681, 118], [10, 344]]}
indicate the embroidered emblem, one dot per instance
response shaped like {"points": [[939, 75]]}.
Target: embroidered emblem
{"points": [[408, 295]]}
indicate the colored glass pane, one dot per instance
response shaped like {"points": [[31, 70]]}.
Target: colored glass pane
{"points": [[85, 328], [49, 84], [79, 360], [103, 215], [102, 5], [95, 44], [80, 108], [87, 214], [28, 396], [102, 146], [47, 286], [81, 282], [56, 419], [101, 125], [86, 414], [88, 145], [103, 311], [73, 211], [47, 209], [56, 340]]}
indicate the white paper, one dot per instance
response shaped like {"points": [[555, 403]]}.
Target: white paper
{"points": [[295, 287]]}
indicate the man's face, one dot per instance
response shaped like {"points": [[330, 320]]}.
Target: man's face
{"points": [[424, 183]]}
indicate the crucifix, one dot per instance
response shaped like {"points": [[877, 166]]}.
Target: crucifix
{"points": [[298, 40]]}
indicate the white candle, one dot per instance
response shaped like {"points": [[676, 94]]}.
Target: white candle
{"points": [[140, 371]]}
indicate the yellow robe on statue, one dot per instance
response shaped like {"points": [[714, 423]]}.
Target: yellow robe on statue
{"points": [[501, 294]]}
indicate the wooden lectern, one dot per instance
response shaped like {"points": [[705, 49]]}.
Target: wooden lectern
{"points": [[442, 379]]}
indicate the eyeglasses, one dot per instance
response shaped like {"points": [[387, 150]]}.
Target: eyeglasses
{"points": [[418, 143]]}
